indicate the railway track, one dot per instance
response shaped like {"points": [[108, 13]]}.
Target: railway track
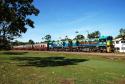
{"points": [[92, 53], [122, 55]]}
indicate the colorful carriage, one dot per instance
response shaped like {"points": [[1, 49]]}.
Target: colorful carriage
{"points": [[102, 44]]}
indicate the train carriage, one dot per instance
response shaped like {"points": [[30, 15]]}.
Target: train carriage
{"points": [[88, 45], [28, 47], [101, 44], [75, 45], [67, 45], [20, 47], [106, 44], [41, 46], [56, 45]]}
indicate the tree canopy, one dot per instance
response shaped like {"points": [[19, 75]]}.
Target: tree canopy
{"points": [[31, 41], [47, 37], [95, 34], [14, 18], [121, 33], [79, 37]]}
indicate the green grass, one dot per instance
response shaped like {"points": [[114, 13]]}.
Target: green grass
{"points": [[59, 68]]}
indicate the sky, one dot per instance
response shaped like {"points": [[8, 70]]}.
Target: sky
{"points": [[64, 17]]}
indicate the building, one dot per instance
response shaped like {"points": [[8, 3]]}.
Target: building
{"points": [[119, 45]]}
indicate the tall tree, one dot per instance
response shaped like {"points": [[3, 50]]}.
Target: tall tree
{"points": [[79, 37], [121, 33], [31, 42], [47, 37], [16, 42], [67, 39], [95, 34], [14, 18]]}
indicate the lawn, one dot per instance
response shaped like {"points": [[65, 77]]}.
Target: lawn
{"points": [[28, 67]]}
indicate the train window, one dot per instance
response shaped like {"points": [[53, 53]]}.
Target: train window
{"points": [[122, 41], [117, 42]]}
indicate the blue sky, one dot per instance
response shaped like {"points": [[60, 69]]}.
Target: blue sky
{"points": [[63, 17]]}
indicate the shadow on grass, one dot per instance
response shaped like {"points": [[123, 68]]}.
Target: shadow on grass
{"points": [[14, 53], [47, 61]]}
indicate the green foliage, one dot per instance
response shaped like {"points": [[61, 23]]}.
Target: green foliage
{"points": [[16, 43], [79, 37], [95, 34], [66, 39], [4, 44], [31, 42], [14, 18], [121, 34], [47, 38]]}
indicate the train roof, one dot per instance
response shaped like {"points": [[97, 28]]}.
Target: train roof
{"points": [[119, 39], [104, 37]]}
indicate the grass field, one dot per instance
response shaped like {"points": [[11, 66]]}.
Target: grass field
{"points": [[26, 67]]}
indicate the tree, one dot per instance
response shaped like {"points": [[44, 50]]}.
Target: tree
{"points": [[95, 34], [79, 37], [14, 18], [47, 38], [121, 33], [66, 39], [15, 43], [31, 42]]}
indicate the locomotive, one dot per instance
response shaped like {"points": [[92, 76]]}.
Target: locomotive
{"points": [[101, 44]]}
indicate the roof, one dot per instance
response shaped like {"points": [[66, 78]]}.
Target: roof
{"points": [[103, 37], [118, 39]]}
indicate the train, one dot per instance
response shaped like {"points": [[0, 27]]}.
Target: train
{"points": [[101, 44]]}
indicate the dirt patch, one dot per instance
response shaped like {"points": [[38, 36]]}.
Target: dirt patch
{"points": [[121, 81], [67, 81]]}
